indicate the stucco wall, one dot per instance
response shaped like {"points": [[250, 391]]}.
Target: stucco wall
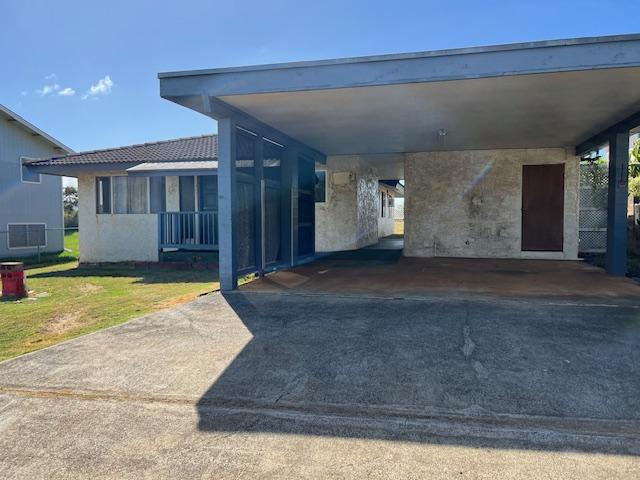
{"points": [[348, 219], [113, 237], [468, 203]]}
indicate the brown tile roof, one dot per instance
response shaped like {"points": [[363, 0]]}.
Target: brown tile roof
{"points": [[204, 147]]}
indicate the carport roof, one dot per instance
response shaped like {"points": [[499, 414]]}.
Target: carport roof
{"points": [[527, 95]]}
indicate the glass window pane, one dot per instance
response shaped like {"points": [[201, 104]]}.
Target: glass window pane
{"points": [[137, 195], [272, 161], [103, 195], [119, 194]]}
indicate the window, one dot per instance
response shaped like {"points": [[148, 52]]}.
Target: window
{"points": [[383, 204], [26, 235], [320, 191], [27, 176], [103, 195], [130, 194], [126, 194]]}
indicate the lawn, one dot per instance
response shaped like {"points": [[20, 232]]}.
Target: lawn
{"points": [[67, 301]]}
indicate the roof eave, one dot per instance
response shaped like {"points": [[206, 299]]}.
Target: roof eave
{"points": [[35, 130]]}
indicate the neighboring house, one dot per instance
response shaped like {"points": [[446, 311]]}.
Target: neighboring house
{"points": [[487, 139], [31, 215]]}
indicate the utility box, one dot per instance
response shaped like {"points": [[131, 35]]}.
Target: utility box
{"points": [[12, 275]]}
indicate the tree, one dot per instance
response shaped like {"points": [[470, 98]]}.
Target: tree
{"points": [[634, 170], [70, 195], [70, 202]]}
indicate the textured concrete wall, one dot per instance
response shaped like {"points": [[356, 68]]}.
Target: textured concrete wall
{"points": [[113, 237], [385, 224], [468, 203], [348, 219]]}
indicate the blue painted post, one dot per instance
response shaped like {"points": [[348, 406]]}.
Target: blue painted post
{"points": [[616, 263], [227, 204]]}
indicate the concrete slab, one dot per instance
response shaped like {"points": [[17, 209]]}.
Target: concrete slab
{"points": [[284, 385], [385, 272]]}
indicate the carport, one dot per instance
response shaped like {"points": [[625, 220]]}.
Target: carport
{"points": [[408, 116]]}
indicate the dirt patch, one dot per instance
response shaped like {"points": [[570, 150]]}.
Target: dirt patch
{"points": [[61, 323], [172, 302], [90, 288]]}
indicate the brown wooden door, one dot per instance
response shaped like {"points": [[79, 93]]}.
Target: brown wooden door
{"points": [[543, 207]]}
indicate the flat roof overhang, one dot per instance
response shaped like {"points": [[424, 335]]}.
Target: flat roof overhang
{"points": [[531, 95]]}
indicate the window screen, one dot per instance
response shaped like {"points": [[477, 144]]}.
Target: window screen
{"points": [[320, 191], [157, 194], [27, 235], [103, 195]]}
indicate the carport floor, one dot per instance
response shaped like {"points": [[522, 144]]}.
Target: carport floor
{"points": [[386, 273]]}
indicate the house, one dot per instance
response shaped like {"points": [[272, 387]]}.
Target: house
{"points": [[136, 201], [488, 141], [31, 214]]}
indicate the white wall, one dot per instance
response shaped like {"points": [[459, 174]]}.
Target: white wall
{"points": [[468, 203], [113, 237]]}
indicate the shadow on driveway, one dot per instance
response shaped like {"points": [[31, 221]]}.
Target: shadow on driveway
{"points": [[522, 374]]}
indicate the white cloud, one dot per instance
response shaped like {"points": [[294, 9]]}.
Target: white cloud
{"points": [[51, 76], [47, 89], [24, 93], [67, 92], [103, 87]]}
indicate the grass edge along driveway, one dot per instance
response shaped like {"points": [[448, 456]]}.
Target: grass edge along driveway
{"points": [[67, 301]]}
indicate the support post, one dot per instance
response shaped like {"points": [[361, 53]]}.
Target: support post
{"points": [[227, 205], [260, 243], [616, 262]]}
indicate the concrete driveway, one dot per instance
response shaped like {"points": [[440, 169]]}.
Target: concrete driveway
{"points": [[288, 384]]}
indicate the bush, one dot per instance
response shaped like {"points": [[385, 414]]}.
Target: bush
{"points": [[71, 219]]}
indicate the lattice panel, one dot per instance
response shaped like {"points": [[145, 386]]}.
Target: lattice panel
{"points": [[593, 241], [590, 219], [593, 198]]}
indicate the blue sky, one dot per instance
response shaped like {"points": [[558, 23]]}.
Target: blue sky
{"points": [[85, 72]]}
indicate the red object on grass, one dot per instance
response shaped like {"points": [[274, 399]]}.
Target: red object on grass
{"points": [[12, 274]]}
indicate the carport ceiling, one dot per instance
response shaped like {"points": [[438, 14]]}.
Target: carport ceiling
{"points": [[540, 94], [542, 110]]}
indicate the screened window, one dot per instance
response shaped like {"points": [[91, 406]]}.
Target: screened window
{"points": [[130, 194], [320, 191], [27, 235], [157, 194], [103, 195]]}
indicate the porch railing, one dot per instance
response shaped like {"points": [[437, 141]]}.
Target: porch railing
{"points": [[188, 230]]}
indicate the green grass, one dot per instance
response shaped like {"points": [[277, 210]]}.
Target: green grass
{"points": [[67, 301]]}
